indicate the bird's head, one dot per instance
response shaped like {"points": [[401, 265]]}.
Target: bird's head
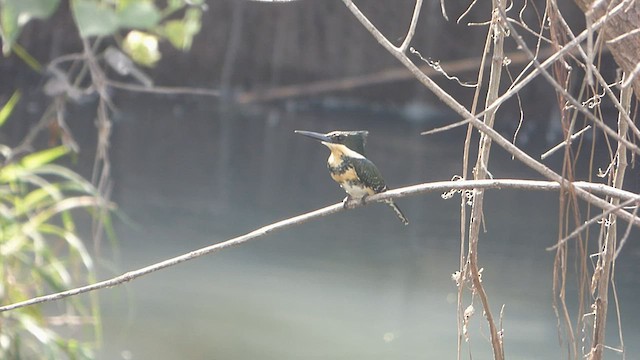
{"points": [[354, 140]]}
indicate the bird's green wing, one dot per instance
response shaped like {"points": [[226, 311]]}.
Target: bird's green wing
{"points": [[369, 174]]}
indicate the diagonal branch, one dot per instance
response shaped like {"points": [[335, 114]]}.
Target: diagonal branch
{"points": [[532, 185]]}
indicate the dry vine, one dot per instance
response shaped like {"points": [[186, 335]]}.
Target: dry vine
{"points": [[571, 106]]}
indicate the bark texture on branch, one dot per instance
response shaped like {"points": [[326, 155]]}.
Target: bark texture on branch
{"points": [[625, 49]]}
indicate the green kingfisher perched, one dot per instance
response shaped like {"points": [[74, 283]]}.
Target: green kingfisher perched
{"points": [[349, 167]]}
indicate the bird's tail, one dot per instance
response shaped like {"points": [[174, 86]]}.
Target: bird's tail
{"points": [[398, 212]]}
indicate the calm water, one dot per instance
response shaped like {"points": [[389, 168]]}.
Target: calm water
{"points": [[357, 285]]}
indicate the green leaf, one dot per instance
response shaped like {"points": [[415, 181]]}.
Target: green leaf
{"points": [[139, 15], [75, 243], [7, 109], [53, 274], [27, 58], [80, 183], [43, 334], [32, 201], [121, 4], [195, 3], [32, 9], [42, 197], [67, 221], [174, 31], [174, 4], [10, 28], [43, 157], [9, 232], [181, 32], [17, 13], [9, 173], [94, 19]]}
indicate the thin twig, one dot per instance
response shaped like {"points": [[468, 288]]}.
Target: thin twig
{"points": [[467, 11], [446, 127], [627, 232], [592, 221], [443, 10], [631, 76], [623, 36], [168, 90], [26, 144], [101, 174], [441, 186], [564, 143], [412, 27]]}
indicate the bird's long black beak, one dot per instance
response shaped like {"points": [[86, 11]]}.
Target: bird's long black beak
{"points": [[314, 135]]}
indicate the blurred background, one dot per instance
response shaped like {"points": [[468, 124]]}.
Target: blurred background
{"points": [[189, 171]]}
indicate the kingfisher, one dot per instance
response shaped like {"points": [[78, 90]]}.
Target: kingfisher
{"points": [[349, 167]]}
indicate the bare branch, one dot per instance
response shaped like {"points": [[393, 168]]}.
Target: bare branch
{"points": [[564, 143], [440, 186]]}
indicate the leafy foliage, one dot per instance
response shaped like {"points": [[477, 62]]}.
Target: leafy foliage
{"points": [[99, 18], [16, 13], [39, 246], [41, 252]]}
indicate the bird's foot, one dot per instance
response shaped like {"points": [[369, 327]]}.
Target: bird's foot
{"points": [[345, 203], [351, 202]]}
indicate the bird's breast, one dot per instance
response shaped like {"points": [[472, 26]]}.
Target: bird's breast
{"points": [[346, 176], [356, 190]]}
